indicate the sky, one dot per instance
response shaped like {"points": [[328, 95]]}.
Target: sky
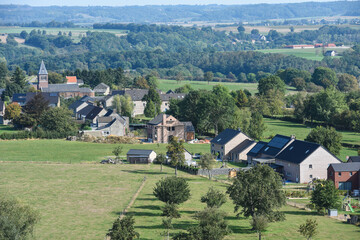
{"points": [[143, 2]]}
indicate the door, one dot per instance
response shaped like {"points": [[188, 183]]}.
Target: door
{"points": [[345, 186]]}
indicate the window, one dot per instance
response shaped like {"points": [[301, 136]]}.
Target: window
{"points": [[173, 129], [306, 151], [331, 173], [310, 166], [212, 145], [350, 173], [144, 104], [168, 128], [339, 173], [288, 164], [291, 148], [266, 149], [165, 104], [222, 147], [288, 174], [310, 176]]}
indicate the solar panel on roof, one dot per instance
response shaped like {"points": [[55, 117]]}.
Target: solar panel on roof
{"points": [[257, 148], [278, 142]]}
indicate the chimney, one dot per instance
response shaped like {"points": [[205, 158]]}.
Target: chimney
{"points": [[163, 118], [293, 136]]}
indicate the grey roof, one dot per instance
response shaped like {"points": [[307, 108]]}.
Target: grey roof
{"points": [[135, 94], [19, 97], [298, 151], [158, 119], [189, 127], [85, 90], [170, 91], [256, 149], [346, 167], [275, 145], [354, 159], [86, 110], [42, 69], [94, 112], [76, 104], [139, 152], [167, 97], [225, 136], [52, 98], [242, 146], [65, 88], [101, 87], [105, 119]]}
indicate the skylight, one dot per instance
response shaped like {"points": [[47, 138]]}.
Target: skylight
{"points": [[266, 149], [307, 151], [291, 148], [219, 140]]}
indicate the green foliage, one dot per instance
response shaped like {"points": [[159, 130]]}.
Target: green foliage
{"points": [[17, 220], [241, 100], [161, 159], [173, 190], [3, 74], [117, 151], [327, 137], [123, 229], [271, 83], [308, 229], [208, 76], [127, 105], [259, 223], [176, 150], [324, 77], [213, 198], [170, 210], [55, 78], [325, 196], [207, 161], [257, 126], [154, 97], [184, 89], [116, 104], [257, 191], [12, 111], [58, 119], [150, 110], [347, 82], [18, 77], [36, 106]]}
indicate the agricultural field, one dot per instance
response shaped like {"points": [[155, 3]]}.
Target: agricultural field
{"points": [[310, 53], [275, 126], [80, 201], [165, 85], [61, 151]]}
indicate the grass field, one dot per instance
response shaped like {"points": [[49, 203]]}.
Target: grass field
{"points": [[275, 126], [80, 201], [165, 85], [61, 151], [310, 53]]}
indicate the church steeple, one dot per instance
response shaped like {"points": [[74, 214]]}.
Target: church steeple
{"points": [[42, 77]]}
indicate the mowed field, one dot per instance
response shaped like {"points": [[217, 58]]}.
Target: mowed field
{"points": [[275, 126], [310, 53], [80, 201], [165, 85]]}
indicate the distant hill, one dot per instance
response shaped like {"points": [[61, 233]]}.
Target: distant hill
{"points": [[177, 13]]}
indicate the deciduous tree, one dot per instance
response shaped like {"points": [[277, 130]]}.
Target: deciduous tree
{"points": [[12, 111], [58, 119], [213, 198], [257, 126], [207, 162], [327, 137], [259, 223], [176, 152], [308, 229], [325, 196], [173, 190], [123, 229]]}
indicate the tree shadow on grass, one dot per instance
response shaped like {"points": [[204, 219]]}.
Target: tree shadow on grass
{"points": [[303, 213], [241, 230], [150, 207], [144, 172], [146, 199], [188, 212], [144, 214], [151, 227]]}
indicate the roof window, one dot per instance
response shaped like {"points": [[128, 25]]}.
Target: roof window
{"points": [[291, 148], [219, 140], [307, 151], [266, 149]]}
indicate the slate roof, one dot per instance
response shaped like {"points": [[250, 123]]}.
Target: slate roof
{"points": [[139, 152], [189, 127], [242, 146], [94, 112], [105, 119], [76, 104], [42, 69], [19, 97], [256, 149], [354, 159], [86, 110], [101, 87], [225, 136], [63, 87], [346, 167], [158, 119], [170, 91], [275, 145], [298, 151], [167, 97], [52, 98]]}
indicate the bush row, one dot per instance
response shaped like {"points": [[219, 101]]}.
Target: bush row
{"points": [[296, 194], [34, 134]]}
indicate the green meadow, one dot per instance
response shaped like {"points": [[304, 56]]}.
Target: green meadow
{"points": [[310, 53], [80, 201]]}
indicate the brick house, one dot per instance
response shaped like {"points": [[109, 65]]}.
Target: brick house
{"points": [[303, 161], [346, 176], [231, 145], [164, 126]]}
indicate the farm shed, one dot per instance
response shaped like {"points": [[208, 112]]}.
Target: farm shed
{"points": [[140, 156]]}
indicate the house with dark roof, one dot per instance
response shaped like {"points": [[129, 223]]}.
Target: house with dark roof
{"points": [[266, 154], [231, 145], [254, 151], [91, 113], [78, 105], [52, 98], [69, 90], [112, 124], [102, 89], [165, 99], [140, 156], [304, 161], [354, 159], [164, 126], [346, 176], [19, 98]]}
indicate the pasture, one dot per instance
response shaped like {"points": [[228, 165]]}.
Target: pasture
{"points": [[275, 126], [309, 53], [80, 201], [165, 85]]}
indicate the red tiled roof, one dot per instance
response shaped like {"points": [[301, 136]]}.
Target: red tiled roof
{"points": [[71, 79]]}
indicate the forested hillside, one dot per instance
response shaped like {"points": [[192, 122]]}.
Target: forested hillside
{"points": [[179, 13]]}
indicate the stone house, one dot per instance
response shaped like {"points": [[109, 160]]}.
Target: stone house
{"points": [[163, 126], [140, 156], [304, 161], [346, 176], [354, 159], [77, 106], [90, 113], [165, 99], [114, 125], [19, 98], [231, 145], [102, 89]]}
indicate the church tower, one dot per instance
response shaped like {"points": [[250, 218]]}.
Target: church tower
{"points": [[42, 77]]}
